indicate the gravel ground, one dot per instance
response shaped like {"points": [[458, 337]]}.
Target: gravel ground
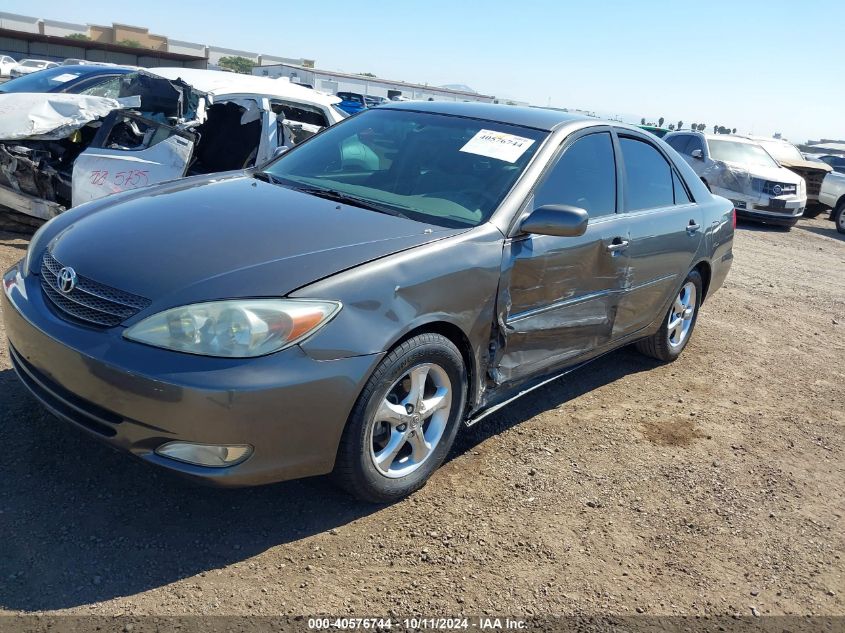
{"points": [[714, 485]]}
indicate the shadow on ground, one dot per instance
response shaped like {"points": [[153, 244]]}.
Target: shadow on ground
{"points": [[81, 523], [827, 231]]}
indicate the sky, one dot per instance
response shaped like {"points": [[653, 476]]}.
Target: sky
{"points": [[761, 66]]}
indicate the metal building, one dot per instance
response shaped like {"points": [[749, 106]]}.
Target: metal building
{"points": [[332, 82]]}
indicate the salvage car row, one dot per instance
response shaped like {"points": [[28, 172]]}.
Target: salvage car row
{"points": [[113, 130]]}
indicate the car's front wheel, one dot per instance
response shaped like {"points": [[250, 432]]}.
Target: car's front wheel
{"points": [[404, 421], [839, 217], [675, 332]]}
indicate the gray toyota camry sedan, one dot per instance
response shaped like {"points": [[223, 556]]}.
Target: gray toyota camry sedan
{"points": [[350, 306]]}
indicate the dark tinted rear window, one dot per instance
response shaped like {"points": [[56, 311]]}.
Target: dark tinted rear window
{"points": [[649, 176]]}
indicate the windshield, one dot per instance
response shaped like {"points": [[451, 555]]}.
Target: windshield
{"points": [[782, 151], [742, 153], [42, 81], [438, 169]]}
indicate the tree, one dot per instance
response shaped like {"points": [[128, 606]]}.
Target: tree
{"points": [[660, 122], [715, 129], [79, 36], [642, 121], [680, 125], [671, 126], [734, 131], [130, 43], [366, 74], [238, 64], [702, 127], [693, 127]]}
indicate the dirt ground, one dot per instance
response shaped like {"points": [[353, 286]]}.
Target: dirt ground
{"points": [[714, 485]]}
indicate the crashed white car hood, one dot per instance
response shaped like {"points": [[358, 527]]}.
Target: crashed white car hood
{"points": [[775, 174], [218, 83], [46, 116]]}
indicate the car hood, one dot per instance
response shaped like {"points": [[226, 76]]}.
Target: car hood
{"points": [[806, 164], [775, 174], [216, 238]]}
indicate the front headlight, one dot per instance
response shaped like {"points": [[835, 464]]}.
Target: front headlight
{"points": [[234, 329]]}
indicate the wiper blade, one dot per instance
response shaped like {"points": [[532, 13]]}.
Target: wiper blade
{"points": [[345, 198], [266, 177]]}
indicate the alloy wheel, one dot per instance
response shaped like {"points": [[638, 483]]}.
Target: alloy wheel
{"points": [[681, 315], [410, 420]]}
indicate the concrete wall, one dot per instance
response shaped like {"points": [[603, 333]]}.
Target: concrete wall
{"points": [[325, 81], [62, 29], [216, 52], [186, 48], [19, 23]]}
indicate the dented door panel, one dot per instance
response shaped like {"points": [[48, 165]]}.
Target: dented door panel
{"points": [[128, 152], [558, 298]]}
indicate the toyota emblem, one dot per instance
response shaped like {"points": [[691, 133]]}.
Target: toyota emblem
{"points": [[66, 279]]}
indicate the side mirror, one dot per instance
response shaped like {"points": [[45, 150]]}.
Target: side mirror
{"points": [[560, 220], [697, 153], [281, 149]]}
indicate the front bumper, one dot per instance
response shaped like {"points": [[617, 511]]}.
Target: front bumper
{"points": [[778, 210], [291, 408]]}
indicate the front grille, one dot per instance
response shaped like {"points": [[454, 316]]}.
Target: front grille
{"points": [[89, 302], [767, 187]]}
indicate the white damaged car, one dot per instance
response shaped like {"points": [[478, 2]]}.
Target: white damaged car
{"points": [[60, 150], [743, 172]]}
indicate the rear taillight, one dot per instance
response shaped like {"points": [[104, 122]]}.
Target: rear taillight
{"points": [[734, 217]]}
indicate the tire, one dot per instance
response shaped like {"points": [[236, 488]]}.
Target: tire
{"points": [[410, 442], [667, 344], [838, 217], [812, 211]]}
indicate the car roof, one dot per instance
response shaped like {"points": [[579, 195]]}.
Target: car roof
{"points": [[538, 118], [730, 137], [89, 69], [217, 82]]}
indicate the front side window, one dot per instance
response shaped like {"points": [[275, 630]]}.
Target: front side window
{"points": [[435, 168], [649, 176], [584, 176]]}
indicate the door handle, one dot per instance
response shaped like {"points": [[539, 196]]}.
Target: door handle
{"points": [[692, 227], [618, 244]]}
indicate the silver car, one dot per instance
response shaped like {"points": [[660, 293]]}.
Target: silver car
{"points": [[742, 171], [326, 313]]}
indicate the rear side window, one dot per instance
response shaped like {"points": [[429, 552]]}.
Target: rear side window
{"points": [[681, 195], [585, 176], [649, 176]]}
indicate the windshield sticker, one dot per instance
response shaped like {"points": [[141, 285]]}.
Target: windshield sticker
{"points": [[498, 145], [60, 79]]}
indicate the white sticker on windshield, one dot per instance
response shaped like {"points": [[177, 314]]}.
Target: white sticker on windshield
{"points": [[60, 79], [498, 145]]}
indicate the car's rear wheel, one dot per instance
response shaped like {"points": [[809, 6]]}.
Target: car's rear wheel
{"points": [[839, 217], [675, 332], [404, 421]]}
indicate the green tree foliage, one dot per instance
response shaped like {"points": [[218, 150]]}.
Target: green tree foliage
{"points": [[238, 64], [130, 43], [79, 36]]}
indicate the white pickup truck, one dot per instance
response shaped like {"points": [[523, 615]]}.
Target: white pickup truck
{"points": [[833, 195]]}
